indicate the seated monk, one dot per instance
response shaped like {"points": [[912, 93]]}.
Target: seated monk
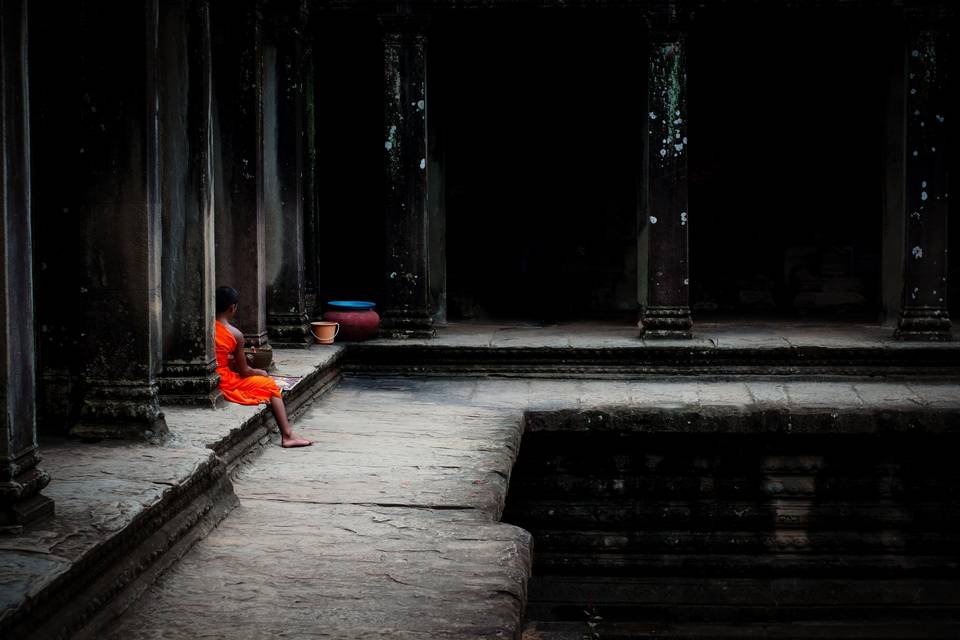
{"points": [[242, 383]]}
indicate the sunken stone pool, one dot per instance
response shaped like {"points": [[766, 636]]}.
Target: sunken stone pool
{"points": [[731, 524]]}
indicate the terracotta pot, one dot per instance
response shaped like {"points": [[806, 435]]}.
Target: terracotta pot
{"points": [[324, 332], [355, 326]]}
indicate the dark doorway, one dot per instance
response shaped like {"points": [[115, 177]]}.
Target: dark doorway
{"points": [[348, 108], [542, 142], [786, 135]]}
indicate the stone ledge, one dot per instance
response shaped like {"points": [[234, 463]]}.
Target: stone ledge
{"points": [[317, 378], [741, 420], [745, 631], [613, 351], [113, 501], [655, 360], [127, 511]]}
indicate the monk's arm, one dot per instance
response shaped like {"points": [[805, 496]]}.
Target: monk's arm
{"points": [[240, 364]]}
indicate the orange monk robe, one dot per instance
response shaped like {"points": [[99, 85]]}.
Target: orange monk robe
{"points": [[249, 390]]}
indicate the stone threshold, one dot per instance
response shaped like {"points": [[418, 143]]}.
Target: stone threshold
{"points": [[127, 511]]}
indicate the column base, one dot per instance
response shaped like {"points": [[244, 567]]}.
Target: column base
{"points": [[14, 517], [191, 383], [119, 410], [406, 326], [666, 323], [289, 331], [924, 324], [20, 499]]}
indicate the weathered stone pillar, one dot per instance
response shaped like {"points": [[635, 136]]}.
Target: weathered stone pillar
{"points": [[122, 235], [666, 313], [923, 314], [20, 478], [311, 209], [407, 311], [437, 200], [239, 189], [894, 165], [189, 361], [288, 320]]}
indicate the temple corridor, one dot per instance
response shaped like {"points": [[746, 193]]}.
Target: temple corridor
{"points": [[698, 250]]}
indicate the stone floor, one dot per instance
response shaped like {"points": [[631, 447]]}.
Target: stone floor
{"points": [[404, 469], [104, 492], [387, 527]]}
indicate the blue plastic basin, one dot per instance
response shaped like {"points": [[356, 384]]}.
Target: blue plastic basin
{"points": [[351, 304]]}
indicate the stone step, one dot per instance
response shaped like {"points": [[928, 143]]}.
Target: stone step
{"points": [[829, 419], [619, 604], [861, 630], [720, 613], [132, 511], [728, 516], [714, 514], [746, 592], [800, 541], [699, 357], [771, 564], [742, 487], [739, 614]]}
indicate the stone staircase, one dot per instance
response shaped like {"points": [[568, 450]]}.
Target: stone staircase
{"points": [[784, 529]]}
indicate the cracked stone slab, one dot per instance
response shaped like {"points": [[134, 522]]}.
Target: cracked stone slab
{"points": [[724, 394], [937, 395], [351, 572], [893, 395], [386, 527], [823, 395], [768, 393]]}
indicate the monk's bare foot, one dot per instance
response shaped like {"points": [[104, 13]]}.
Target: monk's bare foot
{"points": [[294, 441]]}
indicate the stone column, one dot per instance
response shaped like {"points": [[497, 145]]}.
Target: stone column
{"points": [[239, 187], [407, 311], [666, 313], [437, 200], [894, 166], [288, 320], [311, 208], [189, 361], [20, 478], [122, 234], [923, 314]]}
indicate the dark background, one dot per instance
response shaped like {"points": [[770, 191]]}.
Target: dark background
{"points": [[540, 115]]}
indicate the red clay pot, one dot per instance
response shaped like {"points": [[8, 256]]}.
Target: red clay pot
{"points": [[355, 326]]}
